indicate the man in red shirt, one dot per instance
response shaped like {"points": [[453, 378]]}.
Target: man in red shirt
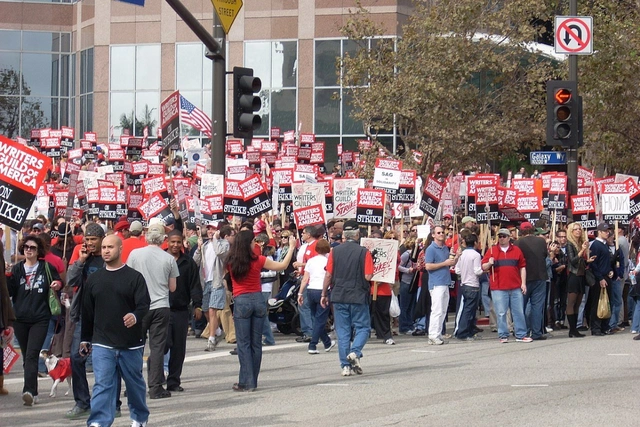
{"points": [[506, 266], [349, 270]]}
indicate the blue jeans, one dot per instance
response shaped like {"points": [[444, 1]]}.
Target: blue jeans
{"points": [[635, 326], [346, 316], [306, 320], [486, 296], [319, 315], [503, 301], [267, 332], [533, 306], [107, 363], [616, 302], [407, 302], [248, 317], [469, 300]]}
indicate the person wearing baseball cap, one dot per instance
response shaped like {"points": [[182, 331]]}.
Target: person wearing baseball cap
{"points": [[122, 229], [134, 241], [468, 221]]}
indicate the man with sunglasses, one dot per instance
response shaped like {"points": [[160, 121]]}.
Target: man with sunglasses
{"points": [[437, 263], [506, 266]]}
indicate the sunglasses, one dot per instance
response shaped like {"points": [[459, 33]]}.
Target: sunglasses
{"points": [[30, 248], [413, 230], [277, 231], [439, 232]]}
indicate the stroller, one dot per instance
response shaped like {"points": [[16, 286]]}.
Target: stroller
{"points": [[283, 309]]}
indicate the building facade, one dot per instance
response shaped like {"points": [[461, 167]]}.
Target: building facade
{"points": [[105, 66]]}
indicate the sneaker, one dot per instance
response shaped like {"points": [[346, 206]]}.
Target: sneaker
{"points": [[212, 343], [435, 341], [354, 360], [94, 425], [418, 333], [504, 340], [446, 336], [77, 412], [634, 332], [333, 344], [27, 398], [346, 371], [409, 332], [548, 329], [137, 424], [524, 339], [303, 338], [390, 341], [313, 351]]}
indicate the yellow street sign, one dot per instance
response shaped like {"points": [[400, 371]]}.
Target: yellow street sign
{"points": [[227, 11]]}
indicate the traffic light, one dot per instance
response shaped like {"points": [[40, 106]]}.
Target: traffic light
{"points": [[563, 114], [245, 102]]}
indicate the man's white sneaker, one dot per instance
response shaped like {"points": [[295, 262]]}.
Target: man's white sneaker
{"points": [[346, 371], [435, 341], [390, 341], [135, 423], [333, 344], [355, 363], [28, 398]]}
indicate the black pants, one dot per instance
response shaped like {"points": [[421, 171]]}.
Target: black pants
{"points": [[596, 324], [381, 318], [157, 323], [31, 337], [177, 343]]}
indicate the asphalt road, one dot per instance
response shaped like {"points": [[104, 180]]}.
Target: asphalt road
{"points": [[592, 381]]}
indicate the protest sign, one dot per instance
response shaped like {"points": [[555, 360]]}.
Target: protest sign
{"points": [[385, 258]]}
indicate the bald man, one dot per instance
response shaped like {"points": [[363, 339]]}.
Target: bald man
{"points": [[115, 302]]}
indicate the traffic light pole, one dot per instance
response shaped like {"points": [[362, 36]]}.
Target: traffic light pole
{"points": [[215, 48], [219, 105], [572, 152]]}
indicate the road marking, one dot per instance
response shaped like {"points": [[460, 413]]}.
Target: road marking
{"points": [[529, 385], [212, 355], [332, 385], [216, 354], [619, 354], [423, 351]]}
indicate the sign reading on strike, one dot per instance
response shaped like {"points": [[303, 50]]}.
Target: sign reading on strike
{"points": [[170, 120], [22, 171]]}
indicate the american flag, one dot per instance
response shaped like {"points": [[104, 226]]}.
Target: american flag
{"points": [[195, 117]]}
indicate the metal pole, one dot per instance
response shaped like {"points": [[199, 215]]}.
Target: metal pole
{"points": [[572, 152], [219, 105]]}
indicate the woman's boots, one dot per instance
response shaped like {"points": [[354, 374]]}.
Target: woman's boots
{"points": [[573, 330]]}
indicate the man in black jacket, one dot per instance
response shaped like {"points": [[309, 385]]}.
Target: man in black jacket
{"points": [[601, 268], [188, 290], [114, 303]]}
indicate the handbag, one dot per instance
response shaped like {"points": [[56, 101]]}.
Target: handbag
{"points": [[54, 302], [604, 309], [590, 277], [394, 308]]}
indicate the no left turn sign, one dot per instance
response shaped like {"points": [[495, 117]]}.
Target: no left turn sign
{"points": [[573, 35]]}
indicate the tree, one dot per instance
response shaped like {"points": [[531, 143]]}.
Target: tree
{"points": [[10, 106], [128, 121], [462, 85], [608, 81]]}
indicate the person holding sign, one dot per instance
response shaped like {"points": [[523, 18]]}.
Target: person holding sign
{"points": [[249, 307], [349, 269]]}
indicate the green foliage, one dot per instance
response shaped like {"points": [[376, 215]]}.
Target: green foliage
{"points": [[463, 100], [32, 114]]}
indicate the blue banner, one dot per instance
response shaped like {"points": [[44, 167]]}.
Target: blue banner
{"points": [[136, 2]]}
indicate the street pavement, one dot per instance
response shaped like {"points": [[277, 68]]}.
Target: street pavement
{"points": [[593, 381]]}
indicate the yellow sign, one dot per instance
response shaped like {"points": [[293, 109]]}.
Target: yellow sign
{"points": [[227, 11]]}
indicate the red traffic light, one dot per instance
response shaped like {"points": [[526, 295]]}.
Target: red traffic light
{"points": [[562, 96]]}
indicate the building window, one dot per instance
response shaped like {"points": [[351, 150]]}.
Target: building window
{"points": [[332, 107], [86, 91], [35, 81], [276, 63], [135, 90], [194, 74]]}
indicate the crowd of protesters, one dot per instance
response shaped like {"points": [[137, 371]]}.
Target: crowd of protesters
{"points": [[528, 280]]}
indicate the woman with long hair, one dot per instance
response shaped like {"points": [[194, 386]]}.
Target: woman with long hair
{"points": [[577, 259], [249, 308], [29, 286]]}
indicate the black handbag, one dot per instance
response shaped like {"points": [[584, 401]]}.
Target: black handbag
{"points": [[415, 282]]}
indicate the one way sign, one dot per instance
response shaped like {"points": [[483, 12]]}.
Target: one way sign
{"points": [[573, 35]]}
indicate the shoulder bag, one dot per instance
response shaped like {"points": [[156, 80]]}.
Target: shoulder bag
{"points": [[54, 302]]}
